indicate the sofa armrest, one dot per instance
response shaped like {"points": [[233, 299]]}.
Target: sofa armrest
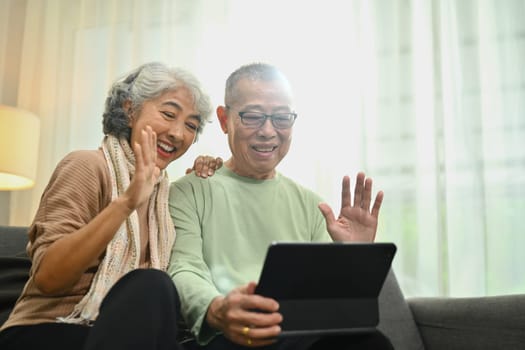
{"points": [[495, 322]]}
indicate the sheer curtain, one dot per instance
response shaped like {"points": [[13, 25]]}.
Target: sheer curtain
{"points": [[427, 97]]}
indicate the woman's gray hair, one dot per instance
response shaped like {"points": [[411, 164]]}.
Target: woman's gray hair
{"points": [[145, 83]]}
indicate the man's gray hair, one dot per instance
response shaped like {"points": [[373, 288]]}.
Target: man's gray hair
{"points": [[147, 82], [255, 72]]}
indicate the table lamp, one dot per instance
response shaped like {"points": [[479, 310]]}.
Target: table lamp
{"points": [[19, 135]]}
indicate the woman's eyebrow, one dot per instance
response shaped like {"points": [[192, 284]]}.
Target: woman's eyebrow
{"points": [[177, 106], [172, 104]]}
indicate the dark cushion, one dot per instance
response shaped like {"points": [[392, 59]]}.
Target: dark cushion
{"points": [[14, 272], [14, 267], [13, 241], [395, 318], [481, 323]]}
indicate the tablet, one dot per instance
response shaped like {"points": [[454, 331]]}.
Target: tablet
{"points": [[326, 287]]}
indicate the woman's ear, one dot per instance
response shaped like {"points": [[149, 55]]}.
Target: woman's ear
{"points": [[126, 106], [222, 115]]}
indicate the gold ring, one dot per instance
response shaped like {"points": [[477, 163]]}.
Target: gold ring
{"points": [[249, 341], [245, 331]]}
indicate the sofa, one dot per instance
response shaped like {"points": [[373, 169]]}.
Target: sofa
{"points": [[423, 323]]}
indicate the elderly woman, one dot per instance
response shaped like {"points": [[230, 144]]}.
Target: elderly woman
{"points": [[102, 235]]}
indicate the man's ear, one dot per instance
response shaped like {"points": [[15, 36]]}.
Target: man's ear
{"points": [[223, 118]]}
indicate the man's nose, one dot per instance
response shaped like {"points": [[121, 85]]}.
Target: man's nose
{"points": [[267, 129]]}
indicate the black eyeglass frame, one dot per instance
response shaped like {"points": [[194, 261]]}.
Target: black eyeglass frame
{"points": [[265, 117]]}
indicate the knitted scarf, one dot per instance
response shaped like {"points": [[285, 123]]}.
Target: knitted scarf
{"points": [[123, 252]]}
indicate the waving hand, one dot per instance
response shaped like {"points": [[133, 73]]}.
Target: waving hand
{"points": [[356, 221]]}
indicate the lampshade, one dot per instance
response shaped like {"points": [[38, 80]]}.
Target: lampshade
{"points": [[19, 135]]}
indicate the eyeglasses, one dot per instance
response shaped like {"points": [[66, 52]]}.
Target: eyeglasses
{"points": [[257, 119]]}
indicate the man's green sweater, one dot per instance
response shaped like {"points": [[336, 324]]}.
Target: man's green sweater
{"points": [[224, 225]]}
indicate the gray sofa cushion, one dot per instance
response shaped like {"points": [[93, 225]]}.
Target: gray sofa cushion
{"points": [[13, 241], [14, 267], [395, 318], [481, 323], [14, 272]]}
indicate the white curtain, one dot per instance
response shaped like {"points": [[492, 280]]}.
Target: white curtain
{"points": [[426, 96]]}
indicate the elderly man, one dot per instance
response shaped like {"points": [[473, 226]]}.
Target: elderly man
{"points": [[225, 223]]}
